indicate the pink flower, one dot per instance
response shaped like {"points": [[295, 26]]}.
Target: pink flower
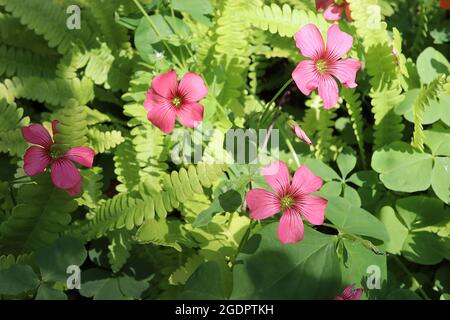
{"points": [[298, 131], [326, 63], [45, 153], [350, 293], [167, 100], [295, 200], [334, 9]]}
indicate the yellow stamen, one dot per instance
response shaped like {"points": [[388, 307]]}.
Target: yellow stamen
{"points": [[176, 102], [287, 202], [321, 66]]}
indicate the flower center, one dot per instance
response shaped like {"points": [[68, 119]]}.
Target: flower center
{"points": [[321, 66], [55, 152], [287, 202], [176, 102]]}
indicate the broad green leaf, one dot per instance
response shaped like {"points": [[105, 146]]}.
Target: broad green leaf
{"points": [[160, 232], [45, 292], [402, 168], [206, 283], [440, 178], [322, 170], [438, 142], [195, 7], [17, 279], [145, 36], [430, 64], [420, 211], [346, 162], [442, 279], [367, 178], [352, 196], [432, 113], [395, 228], [98, 284], [402, 294], [359, 264], [56, 258], [424, 248], [354, 220], [267, 269], [330, 189]]}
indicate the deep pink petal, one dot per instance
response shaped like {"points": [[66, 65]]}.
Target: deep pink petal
{"points": [[328, 91], [338, 43], [160, 111], [166, 84], [65, 174], [333, 12], [290, 228], [306, 77], [81, 155], [36, 160], [302, 135], [310, 42], [312, 208], [278, 177], [75, 191], [350, 293], [192, 88], [55, 127], [305, 182], [190, 115], [262, 204], [345, 71], [37, 134], [322, 4]]}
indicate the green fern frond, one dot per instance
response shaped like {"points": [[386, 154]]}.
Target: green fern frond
{"points": [[119, 249], [182, 274], [284, 20], [72, 127], [102, 141], [126, 167], [22, 63], [92, 187], [426, 94], [11, 120], [43, 213], [354, 108]]}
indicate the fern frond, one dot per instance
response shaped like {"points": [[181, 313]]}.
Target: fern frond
{"points": [[426, 94], [284, 20], [11, 120], [72, 127], [354, 109], [182, 274], [43, 213], [92, 187], [102, 141], [119, 249]]}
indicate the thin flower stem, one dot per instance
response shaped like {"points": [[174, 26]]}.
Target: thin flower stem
{"points": [[414, 280], [136, 2], [291, 148], [245, 238], [287, 83]]}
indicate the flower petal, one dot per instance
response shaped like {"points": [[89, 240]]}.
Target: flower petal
{"points": [[338, 43], [160, 111], [65, 174], [312, 208], [310, 42], [345, 71], [278, 177], [190, 115], [322, 4], [333, 12], [55, 127], [192, 88], [302, 135], [166, 84], [37, 134], [290, 228], [306, 77], [305, 182], [75, 191], [328, 91], [81, 155], [262, 204], [36, 160]]}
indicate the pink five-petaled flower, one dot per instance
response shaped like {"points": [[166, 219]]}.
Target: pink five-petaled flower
{"points": [[298, 131], [334, 9], [350, 293], [167, 100], [45, 153], [295, 200], [326, 63]]}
